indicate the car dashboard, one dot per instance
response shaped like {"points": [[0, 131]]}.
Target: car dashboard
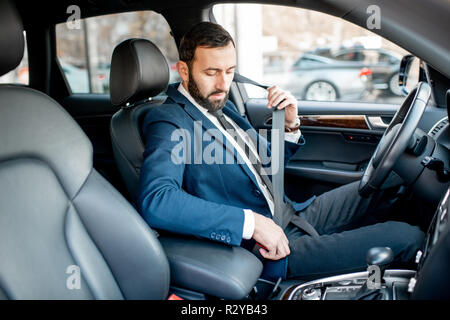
{"points": [[430, 280]]}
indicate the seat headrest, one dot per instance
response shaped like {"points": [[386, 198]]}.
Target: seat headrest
{"points": [[138, 71], [11, 37]]}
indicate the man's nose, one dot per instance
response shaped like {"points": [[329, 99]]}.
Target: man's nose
{"points": [[221, 82]]}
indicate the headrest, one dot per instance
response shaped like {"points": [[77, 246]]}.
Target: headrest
{"points": [[11, 37], [138, 71]]}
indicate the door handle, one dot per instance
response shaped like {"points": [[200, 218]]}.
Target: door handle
{"points": [[376, 122]]}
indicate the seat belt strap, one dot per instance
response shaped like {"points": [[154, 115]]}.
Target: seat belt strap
{"points": [[277, 164], [241, 79], [277, 169]]}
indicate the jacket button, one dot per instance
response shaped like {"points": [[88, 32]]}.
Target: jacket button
{"points": [[257, 193], [218, 237], [213, 235], [223, 238], [228, 239]]}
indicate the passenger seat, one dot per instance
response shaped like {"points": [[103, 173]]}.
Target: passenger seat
{"points": [[65, 232]]}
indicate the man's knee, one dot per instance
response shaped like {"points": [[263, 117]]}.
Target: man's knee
{"points": [[409, 233], [407, 239]]}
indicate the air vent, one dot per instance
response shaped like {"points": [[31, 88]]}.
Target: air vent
{"points": [[438, 127]]}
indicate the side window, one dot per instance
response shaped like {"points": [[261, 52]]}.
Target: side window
{"points": [[20, 74], [353, 55], [313, 55], [85, 53], [385, 58], [307, 62]]}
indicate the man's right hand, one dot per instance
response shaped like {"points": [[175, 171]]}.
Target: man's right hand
{"points": [[272, 237]]}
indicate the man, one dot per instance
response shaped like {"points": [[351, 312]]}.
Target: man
{"points": [[183, 191]]}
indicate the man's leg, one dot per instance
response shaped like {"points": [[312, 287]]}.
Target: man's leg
{"points": [[341, 217], [338, 210], [345, 252]]}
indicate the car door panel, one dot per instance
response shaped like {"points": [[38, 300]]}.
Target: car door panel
{"points": [[340, 139]]}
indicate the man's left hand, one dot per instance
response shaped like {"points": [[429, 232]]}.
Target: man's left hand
{"points": [[288, 101]]}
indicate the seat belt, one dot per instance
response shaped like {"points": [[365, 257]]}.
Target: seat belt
{"points": [[277, 169]]}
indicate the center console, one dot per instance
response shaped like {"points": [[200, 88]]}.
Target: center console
{"points": [[348, 287]]}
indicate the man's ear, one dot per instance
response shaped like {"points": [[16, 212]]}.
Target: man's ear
{"points": [[183, 71]]}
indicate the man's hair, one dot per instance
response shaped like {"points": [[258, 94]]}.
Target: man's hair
{"points": [[203, 34]]}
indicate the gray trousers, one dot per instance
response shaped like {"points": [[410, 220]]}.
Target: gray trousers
{"points": [[340, 216]]}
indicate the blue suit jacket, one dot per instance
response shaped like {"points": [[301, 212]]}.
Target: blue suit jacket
{"points": [[180, 192]]}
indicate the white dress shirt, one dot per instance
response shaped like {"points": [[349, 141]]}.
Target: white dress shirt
{"points": [[249, 220]]}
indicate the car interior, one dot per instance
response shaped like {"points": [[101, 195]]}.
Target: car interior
{"points": [[70, 165]]}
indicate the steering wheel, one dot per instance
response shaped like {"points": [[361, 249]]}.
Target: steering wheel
{"points": [[395, 139]]}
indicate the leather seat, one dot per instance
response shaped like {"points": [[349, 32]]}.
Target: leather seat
{"points": [[57, 214], [139, 72]]}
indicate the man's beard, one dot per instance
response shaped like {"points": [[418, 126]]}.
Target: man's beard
{"points": [[204, 101]]}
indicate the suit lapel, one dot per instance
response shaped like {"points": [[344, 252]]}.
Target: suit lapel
{"points": [[197, 115]]}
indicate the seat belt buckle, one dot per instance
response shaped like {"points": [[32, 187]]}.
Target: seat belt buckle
{"points": [[260, 245]]}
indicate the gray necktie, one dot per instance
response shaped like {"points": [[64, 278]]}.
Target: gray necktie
{"points": [[254, 159]]}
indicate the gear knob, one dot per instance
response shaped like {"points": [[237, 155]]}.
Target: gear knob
{"points": [[381, 257]]}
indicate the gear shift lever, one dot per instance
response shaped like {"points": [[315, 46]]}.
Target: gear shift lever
{"points": [[381, 257]]}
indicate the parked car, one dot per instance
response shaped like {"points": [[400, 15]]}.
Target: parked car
{"points": [[77, 77], [384, 65], [100, 77], [315, 77]]}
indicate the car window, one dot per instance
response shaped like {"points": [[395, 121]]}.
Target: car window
{"points": [[353, 55], [386, 58], [313, 55], [307, 62], [84, 53], [20, 74]]}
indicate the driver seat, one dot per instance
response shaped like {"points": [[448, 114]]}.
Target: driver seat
{"points": [[139, 72], [65, 232]]}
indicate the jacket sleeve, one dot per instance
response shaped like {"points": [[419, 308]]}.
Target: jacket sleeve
{"points": [[290, 148], [165, 205]]}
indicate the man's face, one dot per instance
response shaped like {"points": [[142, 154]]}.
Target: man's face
{"points": [[211, 74]]}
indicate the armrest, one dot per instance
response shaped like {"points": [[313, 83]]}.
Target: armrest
{"points": [[212, 268]]}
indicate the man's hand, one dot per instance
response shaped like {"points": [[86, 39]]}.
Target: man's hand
{"points": [[272, 237], [277, 95]]}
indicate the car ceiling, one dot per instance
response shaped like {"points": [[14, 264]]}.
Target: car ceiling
{"points": [[421, 27]]}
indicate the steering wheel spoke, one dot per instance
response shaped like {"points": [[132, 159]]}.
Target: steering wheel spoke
{"points": [[395, 140]]}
